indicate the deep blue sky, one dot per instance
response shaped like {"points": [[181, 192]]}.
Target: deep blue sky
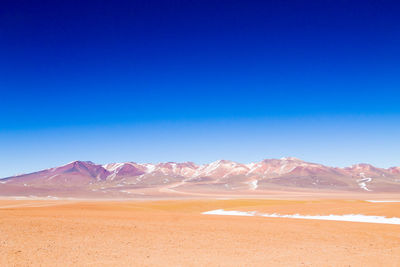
{"points": [[198, 80]]}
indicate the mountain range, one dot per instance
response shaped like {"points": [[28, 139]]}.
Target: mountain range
{"points": [[130, 179]]}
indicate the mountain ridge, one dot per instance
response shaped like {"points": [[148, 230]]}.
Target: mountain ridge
{"points": [[220, 176]]}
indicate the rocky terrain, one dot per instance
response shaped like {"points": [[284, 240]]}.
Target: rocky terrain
{"points": [[223, 177]]}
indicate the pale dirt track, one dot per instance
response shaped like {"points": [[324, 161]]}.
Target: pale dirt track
{"points": [[175, 233]]}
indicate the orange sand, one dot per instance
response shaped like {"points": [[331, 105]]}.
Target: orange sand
{"points": [[175, 233]]}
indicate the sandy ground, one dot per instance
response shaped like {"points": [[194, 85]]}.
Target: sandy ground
{"points": [[175, 233]]}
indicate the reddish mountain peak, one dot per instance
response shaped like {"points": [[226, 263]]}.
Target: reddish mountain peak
{"points": [[129, 170], [222, 163], [83, 167], [394, 170], [79, 163], [222, 168], [312, 169], [363, 167], [291, 159], [119, 170], [172, 165], [189, 164]]}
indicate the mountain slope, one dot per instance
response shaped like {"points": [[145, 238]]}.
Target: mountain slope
{"points": [[130, 179]]}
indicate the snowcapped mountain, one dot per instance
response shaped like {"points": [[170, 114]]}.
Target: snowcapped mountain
{"points": [[131, 179]]}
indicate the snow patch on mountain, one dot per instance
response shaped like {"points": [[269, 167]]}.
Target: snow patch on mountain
{"points": [[253, 184], [362, 183]]}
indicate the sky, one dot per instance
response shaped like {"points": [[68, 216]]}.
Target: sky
{"points": [[156, 81]]}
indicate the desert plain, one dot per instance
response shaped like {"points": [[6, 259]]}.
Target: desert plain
{"points": [[69, 232]]}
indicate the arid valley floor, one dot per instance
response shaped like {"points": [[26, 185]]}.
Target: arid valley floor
{"points": [[176, 233]]}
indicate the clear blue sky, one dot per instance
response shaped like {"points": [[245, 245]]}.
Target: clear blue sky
{"points": [[154, 81]]}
